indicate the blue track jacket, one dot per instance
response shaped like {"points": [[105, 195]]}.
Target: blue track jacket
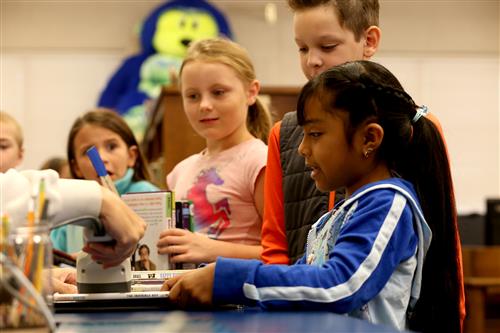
{"points": [[364, 259]]}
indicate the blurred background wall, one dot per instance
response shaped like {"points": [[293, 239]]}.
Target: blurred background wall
{"points": [[56, 56]]}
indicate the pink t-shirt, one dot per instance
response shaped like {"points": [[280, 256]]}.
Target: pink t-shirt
{"points": [[221, 187]]}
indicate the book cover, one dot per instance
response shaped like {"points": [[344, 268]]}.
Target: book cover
{"points": [[188, 215], [156, 209]]}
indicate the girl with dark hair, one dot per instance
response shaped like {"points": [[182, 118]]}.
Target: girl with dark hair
{"points": [[121, 155], [113, 137], [372, 256]]}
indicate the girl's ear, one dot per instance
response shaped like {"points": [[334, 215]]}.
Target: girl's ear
{"points": [[133, 152], [253, 92], [373, 134], [76, 169]]}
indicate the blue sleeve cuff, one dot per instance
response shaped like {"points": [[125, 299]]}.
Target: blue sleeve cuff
{"points": [[230, 275]]}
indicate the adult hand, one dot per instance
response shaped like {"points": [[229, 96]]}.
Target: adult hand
{"points": [[186, 246], [123, 225], [192, 289], [64, 280]]}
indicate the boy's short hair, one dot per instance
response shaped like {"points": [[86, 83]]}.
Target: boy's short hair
{"points": [[355, 15], [18, 132]]}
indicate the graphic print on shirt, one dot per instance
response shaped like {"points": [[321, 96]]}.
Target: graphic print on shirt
{"points": [[214, 215], [323, 239]]}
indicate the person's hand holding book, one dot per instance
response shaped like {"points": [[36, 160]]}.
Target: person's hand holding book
{"points": [[185, 246], [193, 289]]}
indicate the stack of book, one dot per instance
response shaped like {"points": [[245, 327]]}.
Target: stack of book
{"points": [[160, 211], [145, 281]]}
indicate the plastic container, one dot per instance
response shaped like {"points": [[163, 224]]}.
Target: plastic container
{"points": [[25, 276]]}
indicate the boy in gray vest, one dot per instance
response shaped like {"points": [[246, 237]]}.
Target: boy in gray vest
{"points": [[327, 33]]}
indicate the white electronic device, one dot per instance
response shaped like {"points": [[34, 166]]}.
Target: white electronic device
{"points": [[91, 277]]}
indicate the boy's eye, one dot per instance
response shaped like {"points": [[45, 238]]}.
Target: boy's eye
{"points": [[302, 49], [329, 47], [218, 92]]}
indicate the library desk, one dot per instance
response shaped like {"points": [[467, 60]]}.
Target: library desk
{"points": [[230, 321]]}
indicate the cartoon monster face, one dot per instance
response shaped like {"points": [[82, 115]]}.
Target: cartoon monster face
{"points": [[177, 28]]}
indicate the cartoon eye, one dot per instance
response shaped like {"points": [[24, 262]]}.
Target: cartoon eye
{"points": [[195, 24], [182, 23]]}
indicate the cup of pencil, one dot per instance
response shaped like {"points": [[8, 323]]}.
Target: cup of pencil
{"points": [[25, 280]]}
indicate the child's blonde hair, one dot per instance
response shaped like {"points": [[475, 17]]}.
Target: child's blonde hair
{"points": [[355, 15], [18, 132], [218, 50]]}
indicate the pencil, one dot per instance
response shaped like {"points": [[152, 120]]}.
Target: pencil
{"points": [[41, 199], [5, 233]]}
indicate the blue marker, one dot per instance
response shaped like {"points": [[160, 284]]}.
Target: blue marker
{"points": [[99, 167]]}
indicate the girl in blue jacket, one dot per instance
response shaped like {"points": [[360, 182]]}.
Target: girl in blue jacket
{"points": [[122, 158], [371, 257]]}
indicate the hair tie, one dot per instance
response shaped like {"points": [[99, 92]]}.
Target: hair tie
{"points": [[421, 111]]}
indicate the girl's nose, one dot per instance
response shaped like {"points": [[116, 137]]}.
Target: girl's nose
{"points": [[205, 104], [104, 155], [303, 151]]}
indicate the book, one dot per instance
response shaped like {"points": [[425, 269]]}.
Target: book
{"points": [[184, 212], [184, 219], [157, 209], [145, 287], [108, 296], [145, 294]]}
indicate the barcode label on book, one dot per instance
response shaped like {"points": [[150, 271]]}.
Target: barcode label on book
{"points": [[157, 275]]}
